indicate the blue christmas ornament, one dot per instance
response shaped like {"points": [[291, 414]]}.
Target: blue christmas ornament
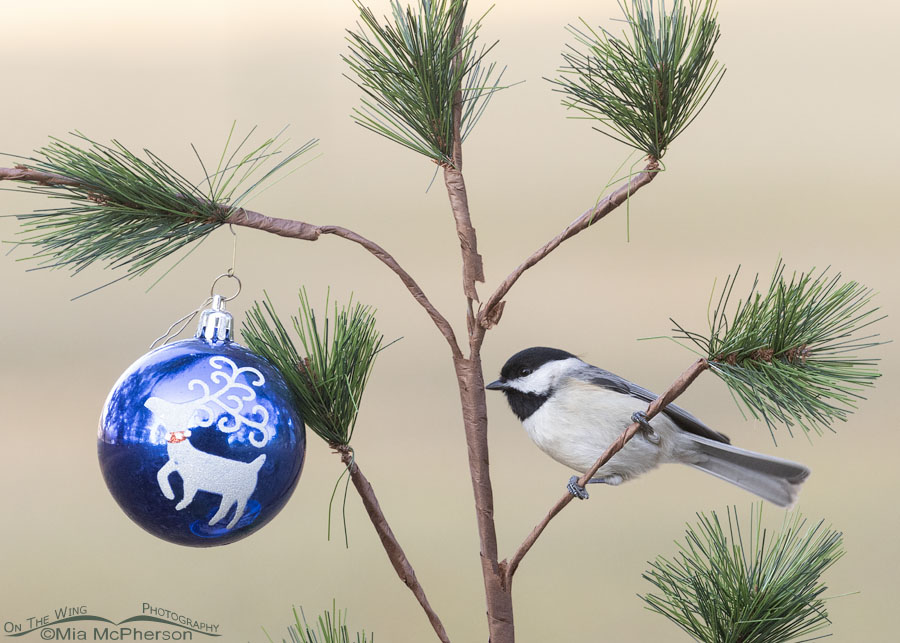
{"points": [[199, 441]]}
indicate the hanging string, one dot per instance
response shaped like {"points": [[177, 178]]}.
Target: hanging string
{"points": [[168, 336], [230, 271]]}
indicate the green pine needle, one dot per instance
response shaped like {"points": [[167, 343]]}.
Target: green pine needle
{"points": [[732, 586], [411, 70], [329, 380], [332, 628], [133, 212], [790, 353], [650, 84]]}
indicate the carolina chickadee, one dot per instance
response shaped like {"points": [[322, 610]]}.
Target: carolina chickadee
{"points": [[573, 411]]}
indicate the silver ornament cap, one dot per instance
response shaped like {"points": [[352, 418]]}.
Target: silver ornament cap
{"points": [[216, 323]]}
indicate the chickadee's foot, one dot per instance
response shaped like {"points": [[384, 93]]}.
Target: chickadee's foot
{"points": [[641, 418], [581, 493], [576, 489], [649, 432]]}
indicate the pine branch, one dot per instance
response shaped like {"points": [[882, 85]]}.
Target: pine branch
{"points": [[332, 628], [131, 212], [389, 541], [790, 353], [328, 381], [649, 85], [309, 232], [787, 348], [412, 68], [732, 586], [283, 227]]}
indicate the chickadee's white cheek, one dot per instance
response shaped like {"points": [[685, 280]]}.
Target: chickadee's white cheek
{"points": [[546, 377]]}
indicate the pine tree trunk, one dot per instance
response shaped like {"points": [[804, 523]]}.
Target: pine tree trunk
{"points": [[498, 597]]}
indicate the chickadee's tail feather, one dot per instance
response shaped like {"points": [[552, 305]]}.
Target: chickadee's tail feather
{"points": [[770, 478]]}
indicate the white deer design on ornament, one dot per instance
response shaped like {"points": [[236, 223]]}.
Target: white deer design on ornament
{"points": [[234, 480]]}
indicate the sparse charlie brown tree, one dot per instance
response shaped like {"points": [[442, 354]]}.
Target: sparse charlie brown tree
{"points": [[787, 349]]}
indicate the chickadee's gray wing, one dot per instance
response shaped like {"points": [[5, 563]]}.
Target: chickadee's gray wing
{"points": [[685, 421]]}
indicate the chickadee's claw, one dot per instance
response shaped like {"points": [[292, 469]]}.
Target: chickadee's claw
{"points": [[641, 418], [576, 489]]}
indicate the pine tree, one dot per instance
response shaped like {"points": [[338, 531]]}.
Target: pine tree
{"points": [[788, 353]]}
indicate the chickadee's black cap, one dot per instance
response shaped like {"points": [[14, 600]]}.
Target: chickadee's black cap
{"points": [[532, 359]]}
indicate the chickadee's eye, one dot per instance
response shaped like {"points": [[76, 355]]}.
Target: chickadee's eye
{"points": [[524, 372]]}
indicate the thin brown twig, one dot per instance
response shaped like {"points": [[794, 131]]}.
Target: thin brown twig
{"points": [[309, 232], [391, 546], [282, 227], [492, 309], [22, 173], [656, 406]]}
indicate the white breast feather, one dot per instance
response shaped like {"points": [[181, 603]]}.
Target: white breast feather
{"points": [[578, 423]]}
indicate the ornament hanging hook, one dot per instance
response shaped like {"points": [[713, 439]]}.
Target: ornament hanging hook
{"points": [[225, 275], [171, 333]]}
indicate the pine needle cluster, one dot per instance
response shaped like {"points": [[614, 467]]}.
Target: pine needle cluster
{"points": [[648, 85], [132, 212], [414, 67], [789, 353], [329, 378], [331, 628], [731, 586]]}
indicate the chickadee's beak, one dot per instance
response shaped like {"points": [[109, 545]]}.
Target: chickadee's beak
{"points": [[496, 385]]}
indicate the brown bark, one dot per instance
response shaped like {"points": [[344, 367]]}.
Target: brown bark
{"points": [[471, 386], [473, 266], [281, 227], [22, 173], [656, 406], [474, 408], [391, 546]]}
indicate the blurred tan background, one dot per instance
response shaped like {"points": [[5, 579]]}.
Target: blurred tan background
{"points": [[795, 156]]}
